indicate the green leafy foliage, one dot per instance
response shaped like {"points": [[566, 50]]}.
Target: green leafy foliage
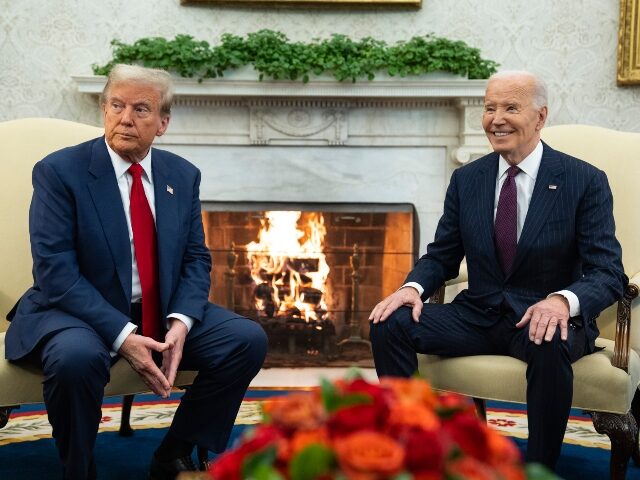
{"points": [[536, 471], [274, 56], [332, 399], [259, 466], [312, 462]]}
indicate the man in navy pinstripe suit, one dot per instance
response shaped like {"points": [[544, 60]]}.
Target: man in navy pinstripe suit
{"points": [[538, 303]]}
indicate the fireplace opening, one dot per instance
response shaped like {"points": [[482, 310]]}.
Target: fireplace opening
{"points": [[310, 274]]}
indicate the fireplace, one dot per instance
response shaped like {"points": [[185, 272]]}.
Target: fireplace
{"points": [[309, 273], [371, 158]]}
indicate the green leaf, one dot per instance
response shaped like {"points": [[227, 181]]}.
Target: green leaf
{"points": [[312, 462], [260, 461], [536, 471], [334, 400], [403, 476]]}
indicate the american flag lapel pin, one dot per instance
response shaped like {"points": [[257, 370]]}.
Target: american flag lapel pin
{"points": [[551, 187], [170, 189]]}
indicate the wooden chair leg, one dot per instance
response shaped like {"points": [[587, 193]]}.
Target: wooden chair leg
{"points": [[635, 411], [481, 408], [622, 431], [203, 458], [4, 414], [125, 419]]}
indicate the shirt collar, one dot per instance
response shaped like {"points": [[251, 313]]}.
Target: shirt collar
{"points": [[530, 165], [120, 166]]}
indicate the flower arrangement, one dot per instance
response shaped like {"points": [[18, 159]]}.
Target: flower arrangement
{"points": [[351, 429]]}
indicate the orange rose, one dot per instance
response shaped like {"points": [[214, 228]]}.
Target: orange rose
{"points": [[369, 456], [467, 467], [502, 450], [411, 390], [511, 472], [295, 411], [412, 415], [300, 440]]}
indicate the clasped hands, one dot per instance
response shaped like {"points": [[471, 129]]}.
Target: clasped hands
{"points": [[543, 317], [137, 350]]}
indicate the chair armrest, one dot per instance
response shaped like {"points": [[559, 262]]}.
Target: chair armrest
{"points": [[623, 325], [438, 295]]}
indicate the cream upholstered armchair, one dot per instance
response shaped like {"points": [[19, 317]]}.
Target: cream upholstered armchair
{"points": [[22, 144], [606, 382]]}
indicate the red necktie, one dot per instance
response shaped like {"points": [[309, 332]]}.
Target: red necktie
{"points": [[146, 251], [506, 225]]}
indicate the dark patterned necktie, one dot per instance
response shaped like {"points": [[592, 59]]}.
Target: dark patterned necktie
{"points": [[506, 225], [146, 251]]}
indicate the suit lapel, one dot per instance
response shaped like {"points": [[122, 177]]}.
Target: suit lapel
{"points": [[108, 203], [543, 199], [167, 192], [486, 188]]}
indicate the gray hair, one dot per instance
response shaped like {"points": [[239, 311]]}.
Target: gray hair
{"points": [[539, 85], [160, 79]]}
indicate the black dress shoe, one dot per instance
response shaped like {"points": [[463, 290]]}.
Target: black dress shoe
{"points": [[169, 469]]}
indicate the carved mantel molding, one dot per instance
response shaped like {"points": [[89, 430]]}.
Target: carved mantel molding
{"points": [[326, 112]]}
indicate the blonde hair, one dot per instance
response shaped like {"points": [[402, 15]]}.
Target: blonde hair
{"points": [[160, 79]]}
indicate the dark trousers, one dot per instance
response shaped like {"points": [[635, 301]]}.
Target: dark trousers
{"points": [[227, 350], [446, 330]]}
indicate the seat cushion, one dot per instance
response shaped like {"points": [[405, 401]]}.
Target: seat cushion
{"points": [[597, 385], [22, 384]]}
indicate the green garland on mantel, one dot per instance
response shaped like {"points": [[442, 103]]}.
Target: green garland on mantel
{"points": [[274, 56]]}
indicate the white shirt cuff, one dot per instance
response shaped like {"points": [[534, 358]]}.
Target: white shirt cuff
{"points": [[415, 285], [574, 303], [188, 321], [128, 328]]}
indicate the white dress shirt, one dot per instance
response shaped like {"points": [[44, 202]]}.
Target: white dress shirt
{"points": [[125, 181], [525, 182]]}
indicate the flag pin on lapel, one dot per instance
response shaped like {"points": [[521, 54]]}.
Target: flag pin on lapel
{"points": [[170, 189], [551, 187]]}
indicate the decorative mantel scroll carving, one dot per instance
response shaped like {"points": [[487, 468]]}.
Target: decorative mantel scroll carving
{"points": [[297, 124]]}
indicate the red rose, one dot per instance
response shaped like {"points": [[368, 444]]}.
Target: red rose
{"points": [[469, 433], [229, 465], [425, 451], [369, 416]]}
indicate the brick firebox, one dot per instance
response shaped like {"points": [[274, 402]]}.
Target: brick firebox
{"points": [[386, 248]]}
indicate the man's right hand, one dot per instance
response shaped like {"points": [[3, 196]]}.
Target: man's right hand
{"points": [[136, 349], [406, 296]]}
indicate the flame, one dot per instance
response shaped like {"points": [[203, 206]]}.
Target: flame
{"points": [[287, 263]]}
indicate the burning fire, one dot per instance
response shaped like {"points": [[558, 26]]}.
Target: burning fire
{"points": [[289, 267]]}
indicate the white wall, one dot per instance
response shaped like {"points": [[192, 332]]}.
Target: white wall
{"points": [[572, 44]]}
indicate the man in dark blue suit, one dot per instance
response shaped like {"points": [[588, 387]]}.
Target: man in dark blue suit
{"points": [[536, 227], [87, 306]]}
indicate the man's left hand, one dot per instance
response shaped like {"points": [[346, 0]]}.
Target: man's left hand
{"points": [[544, 318], [172, 356]]}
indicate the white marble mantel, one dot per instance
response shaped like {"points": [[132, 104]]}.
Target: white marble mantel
{"points": [[457, 103], [388, 140]]}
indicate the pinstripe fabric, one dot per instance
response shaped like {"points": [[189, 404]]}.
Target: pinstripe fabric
{"points": [[567, 241], [506, 222]]}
